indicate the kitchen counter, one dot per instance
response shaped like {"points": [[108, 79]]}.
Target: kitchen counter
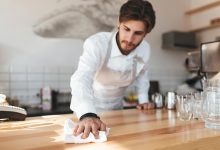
{"points": [[130, 129], [32, 112]]}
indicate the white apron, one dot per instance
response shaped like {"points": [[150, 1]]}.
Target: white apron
{"points": [[109, 85]]}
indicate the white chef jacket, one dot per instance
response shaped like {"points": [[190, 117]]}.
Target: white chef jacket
{"points": [[95, 50]]}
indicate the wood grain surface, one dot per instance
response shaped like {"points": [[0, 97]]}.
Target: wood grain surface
{"points": [[130, 130]]}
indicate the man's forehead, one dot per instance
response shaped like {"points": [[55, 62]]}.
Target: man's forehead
{"points": [[137, 26], [135, 30]]}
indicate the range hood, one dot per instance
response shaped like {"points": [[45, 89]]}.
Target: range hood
{"points": [[179, 40]]}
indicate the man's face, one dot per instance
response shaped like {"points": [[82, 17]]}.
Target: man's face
{"points": [[131, 34]]}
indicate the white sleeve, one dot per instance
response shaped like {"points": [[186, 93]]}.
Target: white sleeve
{"points": [[142, 85], [82, 80]]}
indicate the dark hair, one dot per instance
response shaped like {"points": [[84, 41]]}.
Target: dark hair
{"points": [[141, 10]]}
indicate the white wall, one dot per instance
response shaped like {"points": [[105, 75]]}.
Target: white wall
{"points": [[203, 18], [167, 66], [27, 61], [20, 46]]}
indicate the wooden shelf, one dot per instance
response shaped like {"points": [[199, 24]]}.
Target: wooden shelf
{"points": [[202, 8], [205, 28]]}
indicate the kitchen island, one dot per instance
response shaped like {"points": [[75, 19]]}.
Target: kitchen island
{"points": [[131, 129]]}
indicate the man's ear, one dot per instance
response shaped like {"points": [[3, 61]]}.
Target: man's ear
{"points": [[118, 23]]}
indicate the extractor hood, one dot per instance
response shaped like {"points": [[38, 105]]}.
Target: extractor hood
{"points": [[179, 40]]}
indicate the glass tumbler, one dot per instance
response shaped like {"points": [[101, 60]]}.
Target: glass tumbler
{"points": [[197, 105], [211, 105], [184, 107]]}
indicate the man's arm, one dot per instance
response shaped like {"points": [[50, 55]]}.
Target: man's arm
{"points": [[142, 84], [82, 93]]}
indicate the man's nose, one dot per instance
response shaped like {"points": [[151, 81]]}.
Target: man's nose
{"points": [[130, 37]]}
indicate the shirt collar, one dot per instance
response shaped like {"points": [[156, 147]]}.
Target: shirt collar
{"points": [[115, 51]]}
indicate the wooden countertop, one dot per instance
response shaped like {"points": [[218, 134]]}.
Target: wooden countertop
{"points": [[130, 130]]}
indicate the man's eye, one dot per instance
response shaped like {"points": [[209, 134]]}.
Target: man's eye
{"points": [[138, 33], [126, 29]]}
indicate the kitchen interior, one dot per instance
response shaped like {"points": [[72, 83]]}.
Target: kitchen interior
{"points": [[41, 42]]}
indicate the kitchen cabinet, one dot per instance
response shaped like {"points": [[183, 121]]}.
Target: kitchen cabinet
{"points": [[131, 129]]}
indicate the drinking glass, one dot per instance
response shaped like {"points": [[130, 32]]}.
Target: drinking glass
{"points": [[211, 105], [184, 107], [197, 105]]}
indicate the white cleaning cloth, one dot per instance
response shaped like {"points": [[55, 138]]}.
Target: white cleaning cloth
{"points": [[70, 138]]}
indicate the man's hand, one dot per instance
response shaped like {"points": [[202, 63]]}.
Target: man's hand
{"points": [[87, 125], [146, 106]]}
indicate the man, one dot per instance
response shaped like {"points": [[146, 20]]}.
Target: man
{"points": [[109, 64]]}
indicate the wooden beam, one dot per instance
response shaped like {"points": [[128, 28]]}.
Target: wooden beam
{"points": [[203, 8]]}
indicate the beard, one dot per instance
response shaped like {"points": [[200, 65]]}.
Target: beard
{"points": [[127, 47]]}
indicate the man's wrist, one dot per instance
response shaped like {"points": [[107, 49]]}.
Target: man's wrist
{"points": [[89, 115]]}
